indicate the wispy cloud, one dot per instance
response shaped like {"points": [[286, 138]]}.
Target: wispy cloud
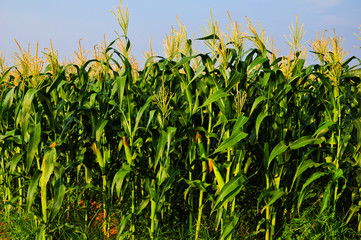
{"points": [[322, 5], [336, 21]]}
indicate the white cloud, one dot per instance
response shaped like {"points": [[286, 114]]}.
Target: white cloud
{"points": [[336, 21], [321, 5], [326, 3]]}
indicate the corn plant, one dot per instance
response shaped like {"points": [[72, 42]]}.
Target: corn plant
{"points": [[191, 142]]}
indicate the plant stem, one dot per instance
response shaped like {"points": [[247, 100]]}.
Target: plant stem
{"points": [[200, 203], [133, 209], [105, 205], [204, 174]]}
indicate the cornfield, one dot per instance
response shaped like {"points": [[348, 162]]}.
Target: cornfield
{"points": [[234, 143]]}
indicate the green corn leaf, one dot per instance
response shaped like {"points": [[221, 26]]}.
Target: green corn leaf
{"points": [[24, 117], [217, 173], [187, 89], [162, 141], [338, 173], [119, 179], [240, 123], [197, 183], [124, 220], [229, 228], [8, 100], [59, 190], [66, 125], [100, 125], [346, 136], [209, 37], [59, 79], [235, 78], [150, 189], [259, 224], [264, 81], [357, 124], [256, 102], [264, 194], [303, 141], [32, 189], [219, 217], [28, 100], [35, 137], [310, 180], [325, 81], [88, 172], [151, 116], [139, 115], [8, 134], [257, 61], [283, 93], [347, 61], [121, 81], [183, 61], [259, 120], [126, 122], [322, 129], [326, 198], [171, 131], [199, 72], [47, 166], [277, 150], [351, 212], [352, 73], [196, 103], [5, 74], [214, 97], [45, 101], [201, 148], [85, 65], [298, 67], [165, 186], [99, 156], [303, 167], [41, 232], [275, 196], [251, 53], [128, 66], [229, 191], [162, 174], [306, 194], [14, 162], [142, 206], [231, 141]]}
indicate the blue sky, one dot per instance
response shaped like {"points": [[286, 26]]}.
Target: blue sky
{"points": [[66, 21]]}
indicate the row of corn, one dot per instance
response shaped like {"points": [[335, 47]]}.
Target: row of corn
{"points": [[236, 141]]}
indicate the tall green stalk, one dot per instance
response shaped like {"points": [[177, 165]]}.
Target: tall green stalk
{"points": [[202, 152]]}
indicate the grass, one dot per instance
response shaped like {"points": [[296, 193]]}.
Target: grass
{"points": [[313, 225], [17, 226]]}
